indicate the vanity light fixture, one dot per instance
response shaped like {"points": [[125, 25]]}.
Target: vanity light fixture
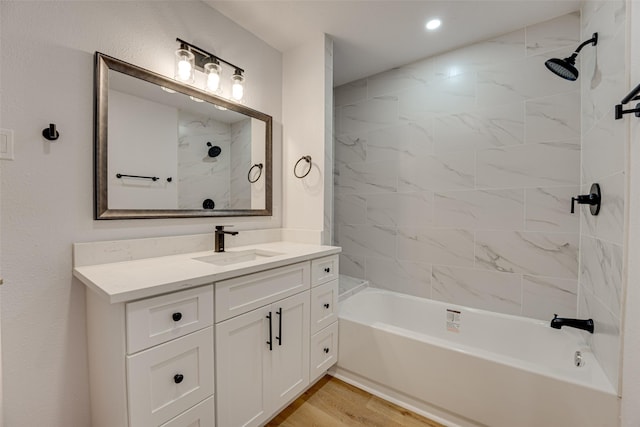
{"points": [[190, 58]]}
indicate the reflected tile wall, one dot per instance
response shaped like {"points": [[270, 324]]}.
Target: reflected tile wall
{"points": [[202, 177], [454, 175]]}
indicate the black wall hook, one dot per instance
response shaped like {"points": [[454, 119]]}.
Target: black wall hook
{"points": [[593, 200], [51, 133]]}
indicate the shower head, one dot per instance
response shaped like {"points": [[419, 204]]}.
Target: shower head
{"points": [[566, 68]]}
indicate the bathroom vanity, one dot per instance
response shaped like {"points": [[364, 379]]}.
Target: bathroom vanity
{"points": [[205, 338]]}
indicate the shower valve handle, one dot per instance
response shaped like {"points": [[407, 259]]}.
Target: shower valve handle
{"points": [[592, 199]]}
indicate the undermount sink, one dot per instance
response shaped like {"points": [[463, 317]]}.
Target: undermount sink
{"points": [[229, 258]]}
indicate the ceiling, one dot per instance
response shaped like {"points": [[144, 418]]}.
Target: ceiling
{"points": [[371, 36]]}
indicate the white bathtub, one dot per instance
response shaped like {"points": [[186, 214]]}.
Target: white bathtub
{"points": [[496, 370]]}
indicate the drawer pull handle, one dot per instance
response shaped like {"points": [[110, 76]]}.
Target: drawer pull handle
{"points": [[327, 270], [177, 378], [270, 342], [326, 350], [326, 305], [279, 337], [176, 316]]}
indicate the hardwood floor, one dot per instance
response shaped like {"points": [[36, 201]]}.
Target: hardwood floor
{"points": [[334, 403]]}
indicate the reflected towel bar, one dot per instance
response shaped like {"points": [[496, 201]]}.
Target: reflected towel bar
{"points": [[152, 178]]}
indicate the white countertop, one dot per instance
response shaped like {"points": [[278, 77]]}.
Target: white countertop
{"points": [[130, 280]]}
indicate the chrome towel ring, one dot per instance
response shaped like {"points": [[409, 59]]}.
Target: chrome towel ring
{"points": [[308, 160], [259, 166]]}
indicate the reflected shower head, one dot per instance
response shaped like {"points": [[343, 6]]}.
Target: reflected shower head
{"points": [[565, 68]]}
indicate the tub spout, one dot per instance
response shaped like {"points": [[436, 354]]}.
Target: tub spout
{"points": [[559, 322]]}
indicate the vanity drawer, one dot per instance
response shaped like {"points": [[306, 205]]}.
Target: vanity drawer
{"points": [[324, 351], [324, 305], [156, 320], [324, 270], [168, 379], [240, 295], [201, 415]]}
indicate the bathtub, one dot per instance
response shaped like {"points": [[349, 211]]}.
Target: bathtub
{"points": [[468, 367]]}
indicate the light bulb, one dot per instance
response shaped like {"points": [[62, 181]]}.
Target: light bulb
{"points": [[184, 69], [185, 65], [237, 89], [213, 82], [213, 76]]}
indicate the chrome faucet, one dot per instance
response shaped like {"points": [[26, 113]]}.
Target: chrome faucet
{"points": [[219, 237], [559, 322]]}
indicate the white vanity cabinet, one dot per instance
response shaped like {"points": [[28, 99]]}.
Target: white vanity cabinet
{"points": [[151, 360], [324, 315], [262, 355], [174, 341], [262, 361]]}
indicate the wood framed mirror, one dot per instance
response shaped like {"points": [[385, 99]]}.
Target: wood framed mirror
{"points": [[164, 149]]}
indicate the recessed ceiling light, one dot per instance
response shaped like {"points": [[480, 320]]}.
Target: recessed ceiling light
{"points": [[433, 24]]}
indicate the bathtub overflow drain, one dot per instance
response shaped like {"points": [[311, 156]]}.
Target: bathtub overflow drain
{"points": [[578, 359]]}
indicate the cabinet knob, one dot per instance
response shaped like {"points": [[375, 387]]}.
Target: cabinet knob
{"points": [[176, 316], [327, 270], [177, 378], [326, 305], [326, 349]]}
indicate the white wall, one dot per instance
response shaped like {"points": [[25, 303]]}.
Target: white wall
{"points": [[143, 135], [47, 76], [304, 107]]}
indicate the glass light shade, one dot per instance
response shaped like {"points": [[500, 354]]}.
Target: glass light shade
{"points": [[212, 71], [237, 88], [185, 66]]}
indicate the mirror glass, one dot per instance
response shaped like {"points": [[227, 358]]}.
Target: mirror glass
{"points": [[164, 149]]}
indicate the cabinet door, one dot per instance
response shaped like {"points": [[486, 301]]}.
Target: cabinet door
{"points": [[290, 355], [241, 392]]}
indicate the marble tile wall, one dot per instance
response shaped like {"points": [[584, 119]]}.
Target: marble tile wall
{"points": [[240, 187], [603, 83], [197, 172], [454, 175]]}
